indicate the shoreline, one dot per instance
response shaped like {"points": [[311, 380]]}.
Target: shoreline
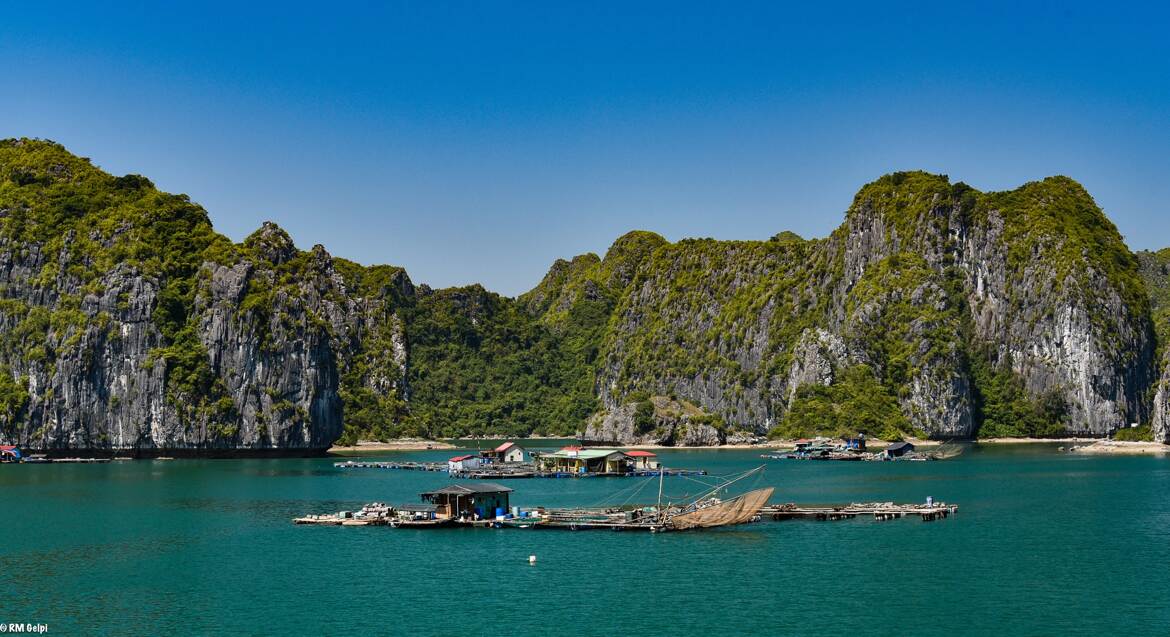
{"points": [[404, 444], [1083, 444], [1122, 448], [1036, 441]]}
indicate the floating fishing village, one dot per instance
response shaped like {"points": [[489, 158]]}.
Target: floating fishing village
{"points": [[510, 460], [854, 449], [484, 504]]}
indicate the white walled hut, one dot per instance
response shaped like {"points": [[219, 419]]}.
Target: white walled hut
{"points": [[464, 463], [507, 452]]}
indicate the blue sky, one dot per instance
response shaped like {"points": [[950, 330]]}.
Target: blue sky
{"points": [[478, 142]]}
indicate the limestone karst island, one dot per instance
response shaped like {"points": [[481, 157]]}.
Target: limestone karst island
{"points": [[935, 311], [453, 319]]}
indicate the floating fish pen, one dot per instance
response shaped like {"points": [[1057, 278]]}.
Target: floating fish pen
{"points": [[404, 466], [846, 456], [498, 472], [897, 451], [513, 471], [42, 459], [877, 510], [485, 505], [489, 473]]}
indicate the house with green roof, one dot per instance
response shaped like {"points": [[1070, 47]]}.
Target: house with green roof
{"points": [[582, 460]]}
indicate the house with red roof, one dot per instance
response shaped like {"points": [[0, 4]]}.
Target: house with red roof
{"points": [[642, 459], [9, 453], [467, 462], [507, 452]]}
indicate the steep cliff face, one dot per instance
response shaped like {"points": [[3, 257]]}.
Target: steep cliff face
{"points": [[1155, 268], [656, 420], [1161, 418], [270, 346], [130, 326], [1020, 311]]}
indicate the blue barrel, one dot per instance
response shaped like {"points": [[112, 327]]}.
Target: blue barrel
{"points": [[499, 512]]}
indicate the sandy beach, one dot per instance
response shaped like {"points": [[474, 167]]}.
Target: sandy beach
{"points": [[405, 444], [1118, 447], [1029, 441]]}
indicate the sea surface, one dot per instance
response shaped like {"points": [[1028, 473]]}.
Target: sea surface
{"points": [[1045, 543]]}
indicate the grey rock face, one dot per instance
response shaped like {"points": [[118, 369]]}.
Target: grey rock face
{"points": [[100, 380], [816, 359], [279, 366], [1062, 328], [672, 427], [1161, 419]]}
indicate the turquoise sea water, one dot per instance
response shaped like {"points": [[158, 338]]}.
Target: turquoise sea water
{"points": [[1044, 544]]}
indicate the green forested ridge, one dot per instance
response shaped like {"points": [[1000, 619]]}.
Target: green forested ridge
{"points": [[695, 319], [87, 223], [480, 364], [1155, 267], [856, 402]]}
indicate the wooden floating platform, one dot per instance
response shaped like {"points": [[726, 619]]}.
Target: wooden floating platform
{"points": [[510, 473], [403, 466], [490, 474], [645, 519], [45, 460], [877, 510]]}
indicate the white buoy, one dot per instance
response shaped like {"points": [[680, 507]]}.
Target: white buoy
{"points": [[532, 559]]}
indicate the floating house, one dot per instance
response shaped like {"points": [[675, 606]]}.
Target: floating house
{"points": [[803, 444], [464, 463], [898, 449], [507, 452], [580, 460], [471, 500], [643, 460], [9, 453], [855, 443]]}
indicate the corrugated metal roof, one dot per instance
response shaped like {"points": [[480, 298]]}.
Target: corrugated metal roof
{"points": [[474, 487], [638, 453], [584, 454], [461, 458], [505, 446]]}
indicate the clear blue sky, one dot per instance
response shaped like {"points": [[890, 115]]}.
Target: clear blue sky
{"points": [[478, 142]]}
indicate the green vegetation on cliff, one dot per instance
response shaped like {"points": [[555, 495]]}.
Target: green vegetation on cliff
{"points": [[87, 223], [925, 294], [856, 402], [1155, 269], [480, 364]]}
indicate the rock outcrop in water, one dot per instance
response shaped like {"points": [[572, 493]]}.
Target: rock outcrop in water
{"points": [[128, 325]]}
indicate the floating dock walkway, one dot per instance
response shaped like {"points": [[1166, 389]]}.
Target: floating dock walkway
{"points": [[644, 518], [403, 466], [878, 510], [507, 472]]}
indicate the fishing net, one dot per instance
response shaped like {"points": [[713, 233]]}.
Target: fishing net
{"points": [[735, 511]]}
